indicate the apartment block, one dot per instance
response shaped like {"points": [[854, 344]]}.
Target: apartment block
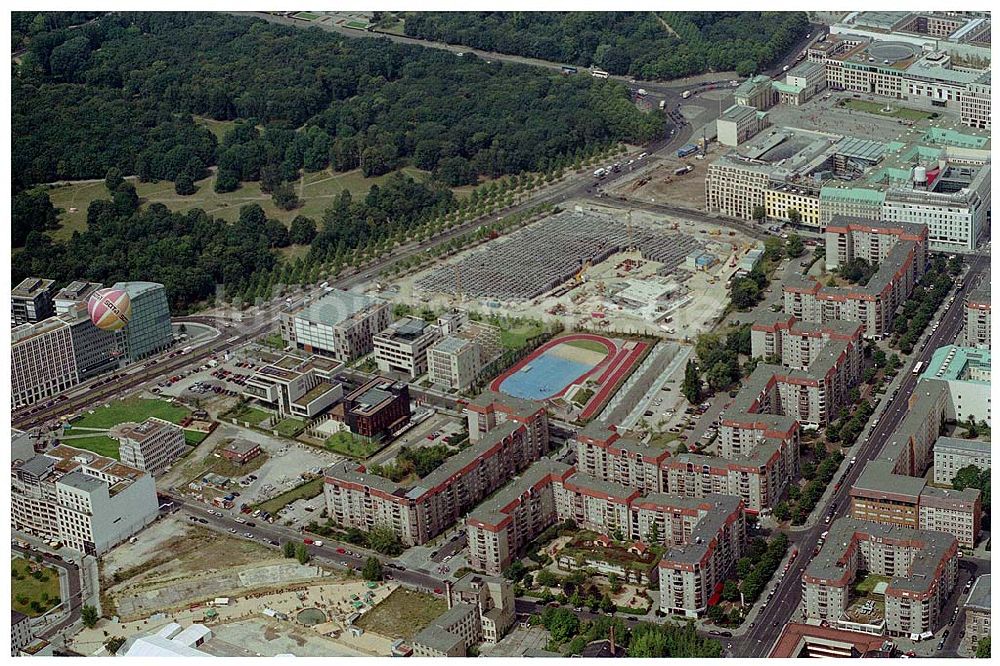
{"points": [[892, 488], [151, 446], [88, 502], [901, 253], [604, 454], [402, 347], [952, 454], [43, 361], [491, 409], [739, 123], [419, 512], [977, 318], [704, 536], [340, 324], [296, 387], [31, 301], [922, 567]]}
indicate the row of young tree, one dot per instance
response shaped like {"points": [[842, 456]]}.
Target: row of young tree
{"points": [[647, 45], [124, 91]]}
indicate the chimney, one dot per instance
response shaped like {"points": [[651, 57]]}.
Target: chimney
{"points": [[447, 591]]}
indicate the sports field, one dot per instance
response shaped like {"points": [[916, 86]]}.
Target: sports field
{"points": [[555, 366]]}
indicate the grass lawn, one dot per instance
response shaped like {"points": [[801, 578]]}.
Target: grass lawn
{"points": [[867, 585], [251, 415], [290, 427], [897, 111], [347, 444], [308, 490], [216, 127], [589, 345], [403, 614], [28, 589], [664, 439], [194, 437], [316, 190], [133, 409], [102, 445], [517, 336], [582, 396]]}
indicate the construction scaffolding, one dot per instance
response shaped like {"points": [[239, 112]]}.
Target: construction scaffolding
{"points": [[539, 258]]}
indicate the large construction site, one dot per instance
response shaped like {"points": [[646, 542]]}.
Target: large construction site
{"points": [[602, 268]]}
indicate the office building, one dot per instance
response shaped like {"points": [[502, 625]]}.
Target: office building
{"points": [[88, 502], [43, 361], [376, 409], [978, 609], [954, 206], [966, 371], [420, 511], [952, 454], [739, 123], [801, 84], [96, 351], [922, 567], [151, 446], [977, 318], [976, 102], [480, 611], [31, 301], [402, 347], [340, 324], [454, 363], [74, 294], [148, 331], [293, 386]]}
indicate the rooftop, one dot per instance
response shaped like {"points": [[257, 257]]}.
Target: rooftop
{"points": [[954, 363], [151, 427], [954, 444], [405, 329], [452, 345], [979, 595], [31, 286], [338, 307]]}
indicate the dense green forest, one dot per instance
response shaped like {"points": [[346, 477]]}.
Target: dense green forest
{"points": [[121, 91], [647, 45]]}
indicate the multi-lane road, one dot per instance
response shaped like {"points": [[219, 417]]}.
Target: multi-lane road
{"points": [[773, 618]]}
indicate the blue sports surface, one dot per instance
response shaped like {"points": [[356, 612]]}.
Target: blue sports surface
{"points": [[543, 377]]}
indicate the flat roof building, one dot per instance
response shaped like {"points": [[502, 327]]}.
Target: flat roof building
{"points": [[31, 300], [966, 370], [402, 347], [977, 318], [153, 445], [340, 323]]}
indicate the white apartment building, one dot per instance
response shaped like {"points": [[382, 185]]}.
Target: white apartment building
{"points": [[88, 502], [402, 347], [340, 324], [43, 362], [952, 454], [151, 446]]}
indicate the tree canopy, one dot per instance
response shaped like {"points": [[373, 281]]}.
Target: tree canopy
{"points": [[648, 45]]}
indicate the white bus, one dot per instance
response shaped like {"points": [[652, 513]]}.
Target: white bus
{"points": [[918, 367], [598, 73]]}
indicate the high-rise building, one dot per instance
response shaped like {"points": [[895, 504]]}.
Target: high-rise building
{"points": [[148, 330], [977, 318], [31, 301], [43, 362]]}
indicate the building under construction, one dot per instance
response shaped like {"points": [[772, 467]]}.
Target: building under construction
{"points": [[539, 258]]}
